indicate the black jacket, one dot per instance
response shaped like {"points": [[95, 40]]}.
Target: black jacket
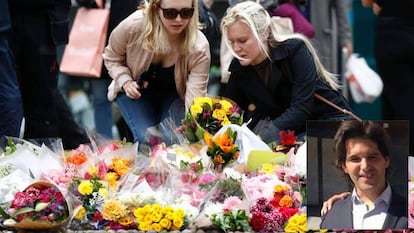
{"points": [[289, 99]]}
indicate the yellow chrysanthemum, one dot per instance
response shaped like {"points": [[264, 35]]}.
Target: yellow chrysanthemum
{"points": [[80, 213], [297, 223], [148, 218], [167, 209], [113, 210], [156, 207], [85, 187], [219, 114], [170, 216]]}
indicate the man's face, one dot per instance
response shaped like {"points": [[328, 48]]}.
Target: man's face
{"points": [[366, 166]]}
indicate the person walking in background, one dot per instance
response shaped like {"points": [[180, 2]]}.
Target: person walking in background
{"points": [[37, 28], [11, 108], [275, 75], [394, 57], [330, 21], [156, 56], [102, 107], [363, 156]]}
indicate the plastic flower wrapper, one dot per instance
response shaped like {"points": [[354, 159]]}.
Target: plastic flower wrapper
{"points": [[208, 115], [12, 180], [225, 207], [40, 206], [178, 155]]}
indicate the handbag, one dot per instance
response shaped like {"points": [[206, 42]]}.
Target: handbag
{"points": [[83, 54], [365, 84]]}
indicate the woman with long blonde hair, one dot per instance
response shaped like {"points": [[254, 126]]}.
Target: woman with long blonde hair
{"points": [[274, 75], [156, 56]]}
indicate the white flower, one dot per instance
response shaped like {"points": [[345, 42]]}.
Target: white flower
{"points": [[299, 166]]}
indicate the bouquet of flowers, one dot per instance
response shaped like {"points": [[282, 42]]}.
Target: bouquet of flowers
{"points": [[222, 148], [208, 115], [40, 206]]}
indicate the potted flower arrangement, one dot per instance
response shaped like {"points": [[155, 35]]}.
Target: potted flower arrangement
{"points": [[41, 206], [208, 115]]}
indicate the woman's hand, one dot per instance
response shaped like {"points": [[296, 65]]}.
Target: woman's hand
{"points": [[327, 205], [131, 89]]}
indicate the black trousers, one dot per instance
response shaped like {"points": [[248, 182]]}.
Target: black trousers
{"points": [[394, 54], [46, 113]]}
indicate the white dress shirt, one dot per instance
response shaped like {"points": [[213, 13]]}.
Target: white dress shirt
{"points": [[372, 217]]}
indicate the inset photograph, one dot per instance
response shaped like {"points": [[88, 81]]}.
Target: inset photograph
{"points": [[357, 175]]}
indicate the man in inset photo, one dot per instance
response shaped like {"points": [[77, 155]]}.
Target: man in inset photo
{"points": [[365, 156]]}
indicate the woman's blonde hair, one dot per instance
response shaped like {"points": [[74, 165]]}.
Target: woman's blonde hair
{"points": [[260, 23], [154, 37]]}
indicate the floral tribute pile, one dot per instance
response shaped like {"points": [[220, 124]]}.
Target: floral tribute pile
{"points": [[186, 186]]}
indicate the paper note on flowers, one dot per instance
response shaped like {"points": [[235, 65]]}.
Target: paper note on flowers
{"points": [[208, 114]]}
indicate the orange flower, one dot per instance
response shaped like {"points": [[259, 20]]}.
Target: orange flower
{"points": [[286, 201], [236, 155], [218, 159], [208, 139], [77, 159], [225, 142]]}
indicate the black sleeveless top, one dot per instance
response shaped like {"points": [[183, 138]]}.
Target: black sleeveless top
{"points": [[160, 79]]}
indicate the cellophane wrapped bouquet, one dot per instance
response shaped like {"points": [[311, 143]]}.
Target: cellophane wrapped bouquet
{"points": [[208, 115]]}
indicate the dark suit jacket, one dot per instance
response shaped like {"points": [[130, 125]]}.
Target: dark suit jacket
{"points": [[340, 216]]}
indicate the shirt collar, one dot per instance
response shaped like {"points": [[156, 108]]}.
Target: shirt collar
{"points": [[385, 196]]}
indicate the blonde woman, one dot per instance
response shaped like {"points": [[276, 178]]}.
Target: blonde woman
{"points": [[275, 76], [155, 56]]}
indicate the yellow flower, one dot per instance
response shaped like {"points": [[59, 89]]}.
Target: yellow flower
{"points": [[170, 216], [156, 207], [280, 188], [111, 178], [148, 218], [85, 187], [165, 223], [120, 166], [113, 210], [103, 192], [225, 121], [144, 226], [80, 213], [93, 171], [219, 114], [156, 216], [180, 212], [297, 223], [195, 110], [226, 106], [156, 227], [167, 209], [286, 201], [200, 101], [178, 222], [267, 168]]}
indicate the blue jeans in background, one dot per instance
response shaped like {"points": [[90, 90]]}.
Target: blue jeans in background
{"points": [[11, 107], [102, 107]]}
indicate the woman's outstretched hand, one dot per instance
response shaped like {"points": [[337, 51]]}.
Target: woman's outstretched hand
{"points": [[327, 205]]}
